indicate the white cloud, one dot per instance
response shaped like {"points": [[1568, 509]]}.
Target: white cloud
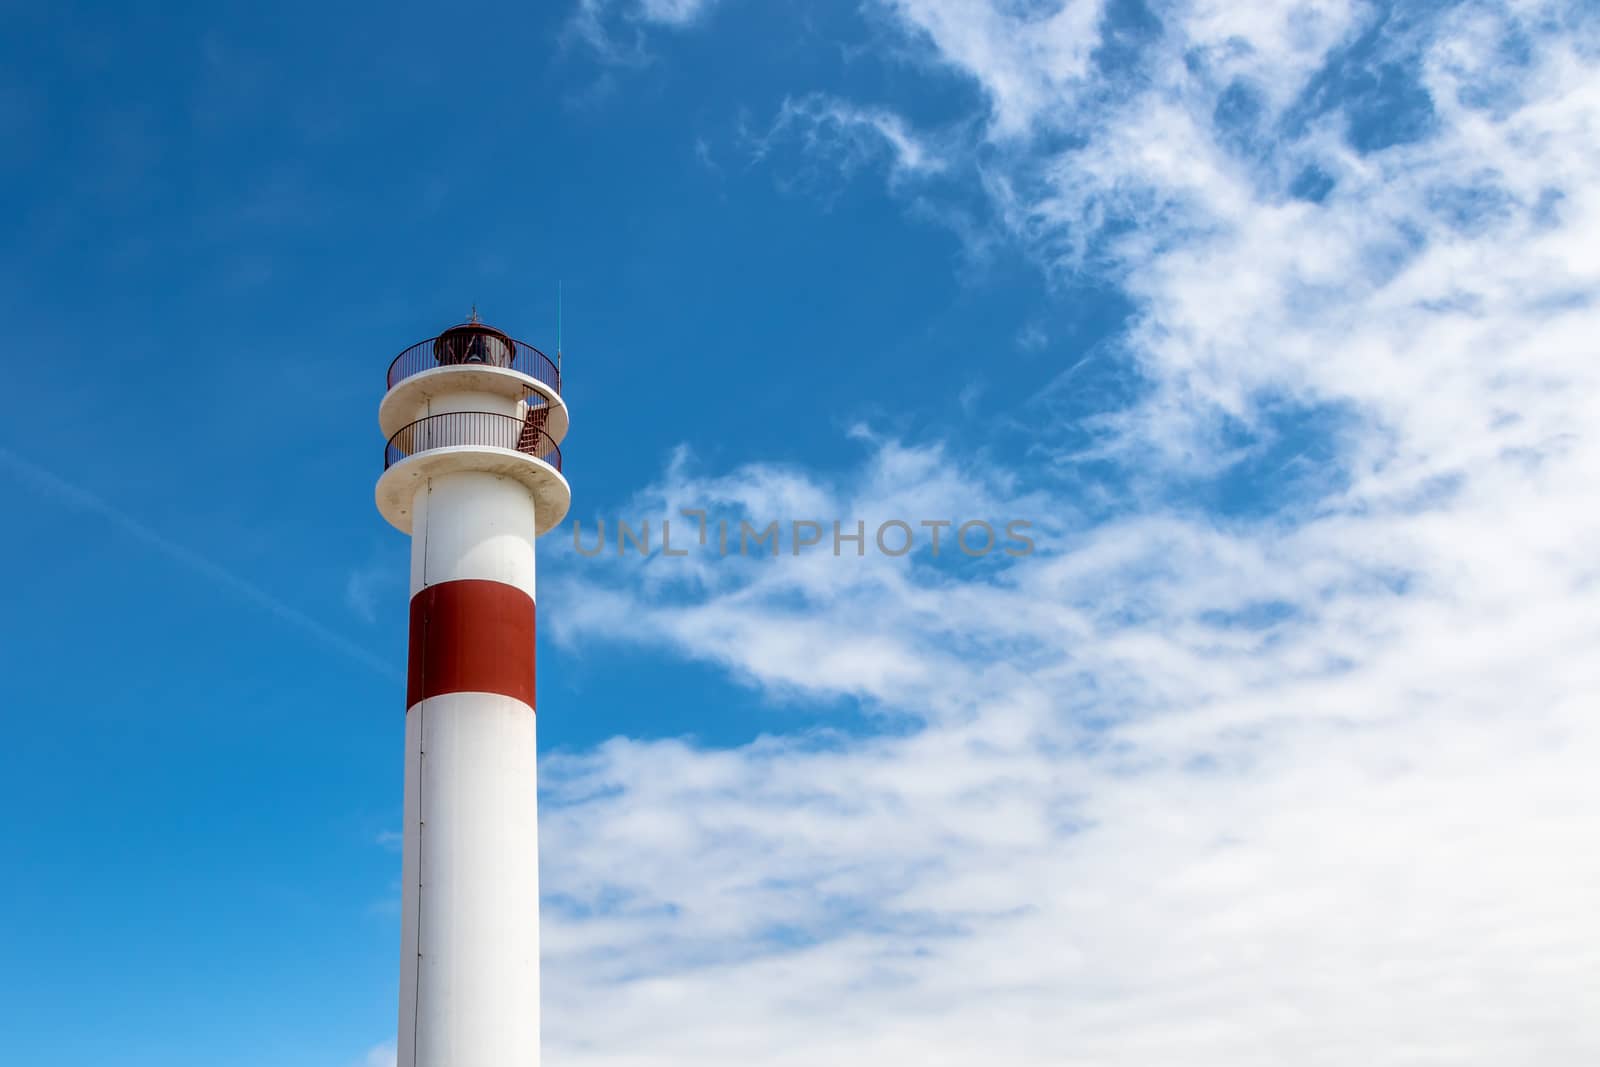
{"points": [[845, 138], [614, 30], [1126, 829], [1029, 61], [1032, 337], [1308, 784], [365, 584], [673, 12], [378, 1056]]}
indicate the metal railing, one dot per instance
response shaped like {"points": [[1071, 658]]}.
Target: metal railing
{"points": [[481, 428], [474, 345]]}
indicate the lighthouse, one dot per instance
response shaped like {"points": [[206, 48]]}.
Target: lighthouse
{"points": [[472, 471]]}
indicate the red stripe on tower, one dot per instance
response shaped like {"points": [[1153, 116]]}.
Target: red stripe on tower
{"points": [[471, 636]]}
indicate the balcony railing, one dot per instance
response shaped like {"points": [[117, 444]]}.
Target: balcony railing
{"points": [[474, 345], [480, 428]]}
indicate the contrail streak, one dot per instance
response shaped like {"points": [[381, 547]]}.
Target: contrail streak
{"points": [[62, 489]]}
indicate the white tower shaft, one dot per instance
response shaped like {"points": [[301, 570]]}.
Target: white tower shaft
{"points": [[473, 473], [469, 987]]}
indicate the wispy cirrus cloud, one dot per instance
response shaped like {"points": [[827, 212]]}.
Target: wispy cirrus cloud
{"points": [[615, 31], [367, 584], [816, 142], [1169, 785], [1032, 61], [1301, 775], [207, 568], [849, 136], [378, 1056]]}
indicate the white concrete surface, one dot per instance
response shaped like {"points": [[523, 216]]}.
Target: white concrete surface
{"points": [[418, 396], [469, 976], [472, 524], [398, 487]]}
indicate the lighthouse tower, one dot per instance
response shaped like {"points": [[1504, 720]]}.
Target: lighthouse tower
{"points": [[472, 472]]}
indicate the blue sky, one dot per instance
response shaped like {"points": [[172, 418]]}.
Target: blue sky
{"points": [[1276, 322]]}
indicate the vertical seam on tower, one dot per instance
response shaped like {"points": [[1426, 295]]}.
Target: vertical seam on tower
{"points": [[422, 760]]}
